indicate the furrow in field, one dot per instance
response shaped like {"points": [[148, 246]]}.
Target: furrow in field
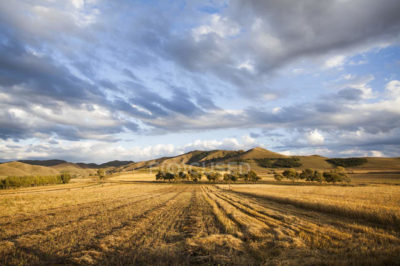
{"points": [[319, 231], [152, 239], [61, 242], [47, 222], [70, 209]]}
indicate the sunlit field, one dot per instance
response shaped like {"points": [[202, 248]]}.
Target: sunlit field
{"points": [[125, 220]]}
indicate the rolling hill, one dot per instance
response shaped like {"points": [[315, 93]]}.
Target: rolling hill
{"points": [[252, 157], [23, 169], [207, 158], [224, 158]]}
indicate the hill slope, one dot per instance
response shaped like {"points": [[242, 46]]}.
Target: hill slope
{"points": [[22, 169], [206, 158]]}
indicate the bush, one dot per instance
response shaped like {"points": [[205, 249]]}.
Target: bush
{"points": [[347, 162]]}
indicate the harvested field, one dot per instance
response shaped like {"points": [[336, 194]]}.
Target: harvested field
{"points": [[120, 223]]}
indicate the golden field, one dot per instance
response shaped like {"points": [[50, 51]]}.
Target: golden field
{"points": [[122, 221]]}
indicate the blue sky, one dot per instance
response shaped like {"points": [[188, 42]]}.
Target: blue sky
{"points": [[93, 80]]}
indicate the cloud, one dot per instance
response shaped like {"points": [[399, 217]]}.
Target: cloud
{"points": [[73, 70], [100, 151], [336, 61], [393, 88], [315, 138]]}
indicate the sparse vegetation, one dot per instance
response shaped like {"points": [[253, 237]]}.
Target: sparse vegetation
{"points": [[279, 162]]}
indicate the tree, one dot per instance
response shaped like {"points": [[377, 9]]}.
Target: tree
{"points": [[194, 175], [343, 177], [307, 174], [252, 176], [278, 177], [230, 177], [337, 175], [227, 177], [65, 177], [318, 176], [101, 174], [213, 176], [160, 175], [182, 175], [169, 176], [290, 174]]}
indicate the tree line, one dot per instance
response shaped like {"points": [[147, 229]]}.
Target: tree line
{"points": [[195, 176], [31, 181], [336, 175]]}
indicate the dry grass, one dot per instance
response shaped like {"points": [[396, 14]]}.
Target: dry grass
{"points": [[120, 223], [378, 204]]}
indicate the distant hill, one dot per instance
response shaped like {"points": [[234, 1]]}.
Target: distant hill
{"points": [[43, 162], [54, 167], [253, 157], [55, 162], [258, 158], [115, 163], [23, 169]]}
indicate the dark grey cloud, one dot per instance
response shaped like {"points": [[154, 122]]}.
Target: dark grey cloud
{"points": [[350, 94], [317, 27]]}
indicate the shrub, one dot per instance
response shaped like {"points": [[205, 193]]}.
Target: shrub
{"points": [[347, 162]]}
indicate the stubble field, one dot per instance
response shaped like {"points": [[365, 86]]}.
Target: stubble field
{"points": [[131, 223]]}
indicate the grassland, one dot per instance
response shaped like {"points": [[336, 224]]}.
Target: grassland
{"points": [[123, 221]]}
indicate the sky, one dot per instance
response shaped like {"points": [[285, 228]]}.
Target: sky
{"points": [[96, 80]]}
